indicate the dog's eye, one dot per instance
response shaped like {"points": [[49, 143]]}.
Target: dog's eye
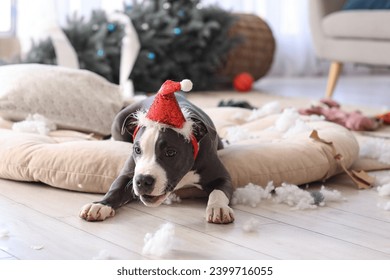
{"points": [[137, 150], [170, 153]]}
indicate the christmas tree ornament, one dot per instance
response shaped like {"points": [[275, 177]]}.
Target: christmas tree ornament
{"points": [[181, 13], [151, 55], [177, 30], [111, 27], [243, 82], [166, 5], [100, 52], [145, 26]]}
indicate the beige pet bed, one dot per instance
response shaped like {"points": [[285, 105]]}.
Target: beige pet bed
{"points": [[259, 151]]}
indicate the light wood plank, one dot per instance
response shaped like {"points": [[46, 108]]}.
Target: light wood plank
{"points": [[130, 226], [282, 232], [29, 229]]}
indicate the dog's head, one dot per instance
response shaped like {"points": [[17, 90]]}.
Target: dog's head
{"points": [[162, 156]]}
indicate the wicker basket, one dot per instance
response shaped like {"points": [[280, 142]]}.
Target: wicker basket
{"points": [[256, 51]]}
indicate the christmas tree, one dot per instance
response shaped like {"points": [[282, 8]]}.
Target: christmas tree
{"points": [[96, 42], [179, 39]]}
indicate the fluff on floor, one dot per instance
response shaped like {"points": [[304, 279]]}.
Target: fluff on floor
{"points": [[289, 194], [375, 148], [384, 191], [161, 242]]}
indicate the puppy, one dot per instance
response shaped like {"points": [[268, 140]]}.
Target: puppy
{"points": [[174, 146]]}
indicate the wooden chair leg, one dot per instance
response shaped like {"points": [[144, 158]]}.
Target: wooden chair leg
{"points": [[334, 73]]}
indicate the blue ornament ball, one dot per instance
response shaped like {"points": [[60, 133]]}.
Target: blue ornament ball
{"points": [[151, 55], [181, 13], [177, 30], [100, 52], [111, 27]]}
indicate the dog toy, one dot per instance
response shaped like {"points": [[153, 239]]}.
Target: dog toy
{"points": [[332, 112], [385, 118], [243, 82]]}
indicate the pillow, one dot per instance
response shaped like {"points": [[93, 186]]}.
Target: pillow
{"points": [[366, 5], [262, 154], [72, 99]]}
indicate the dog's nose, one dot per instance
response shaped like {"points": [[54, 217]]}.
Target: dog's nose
{"points": [[144, 183]]}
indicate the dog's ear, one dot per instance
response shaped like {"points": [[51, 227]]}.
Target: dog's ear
{"points": [[129, 125], [199, 129]]}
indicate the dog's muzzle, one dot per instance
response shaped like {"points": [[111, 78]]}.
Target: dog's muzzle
{"points": [[144, 185], [153, 201]]}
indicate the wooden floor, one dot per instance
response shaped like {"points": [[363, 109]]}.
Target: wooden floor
{"points": [[40, 222]]}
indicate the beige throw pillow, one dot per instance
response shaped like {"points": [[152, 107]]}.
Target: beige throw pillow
{"points": [[72, 99]]}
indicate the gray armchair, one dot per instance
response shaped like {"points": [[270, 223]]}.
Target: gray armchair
{"points": [[348, 36]]}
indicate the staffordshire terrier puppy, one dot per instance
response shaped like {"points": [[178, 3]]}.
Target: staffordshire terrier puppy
{"points": [[174, 146]]}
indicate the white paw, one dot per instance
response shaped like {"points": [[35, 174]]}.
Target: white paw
{"points": [[218, 210], [96, 212], [219, 214]]}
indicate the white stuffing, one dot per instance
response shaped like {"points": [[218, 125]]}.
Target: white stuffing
{"points": [[384, 190], [238, 133], [251, 225], [161, 242], [266, 110], [293, 196], [381, 180], [4, 233], [289, 194], [34, 124], [385, 206], [315, 118], [290, 124], [252, 194], [172, 198], [331, 195], [103, 255], [37, 247], [375, 148], [299, 127], [287, 119]]}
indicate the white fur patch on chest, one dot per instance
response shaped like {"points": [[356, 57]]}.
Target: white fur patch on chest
{"points": [[191, 179]]}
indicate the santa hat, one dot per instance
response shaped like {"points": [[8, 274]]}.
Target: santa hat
{"points": [[165, 111]]}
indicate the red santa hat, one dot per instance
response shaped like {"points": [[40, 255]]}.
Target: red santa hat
{"points": [[165, 111]]}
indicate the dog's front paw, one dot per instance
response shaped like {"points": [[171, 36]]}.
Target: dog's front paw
{"points": [[219, 214], [96, 212], [218, 210]]}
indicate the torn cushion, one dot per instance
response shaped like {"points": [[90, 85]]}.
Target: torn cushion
{"points": [[260, 150]]}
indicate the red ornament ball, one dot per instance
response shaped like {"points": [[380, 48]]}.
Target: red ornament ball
{"points": [[243, 82]]}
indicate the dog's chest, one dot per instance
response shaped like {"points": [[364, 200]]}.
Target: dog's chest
{"points": [[191, 179]]}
